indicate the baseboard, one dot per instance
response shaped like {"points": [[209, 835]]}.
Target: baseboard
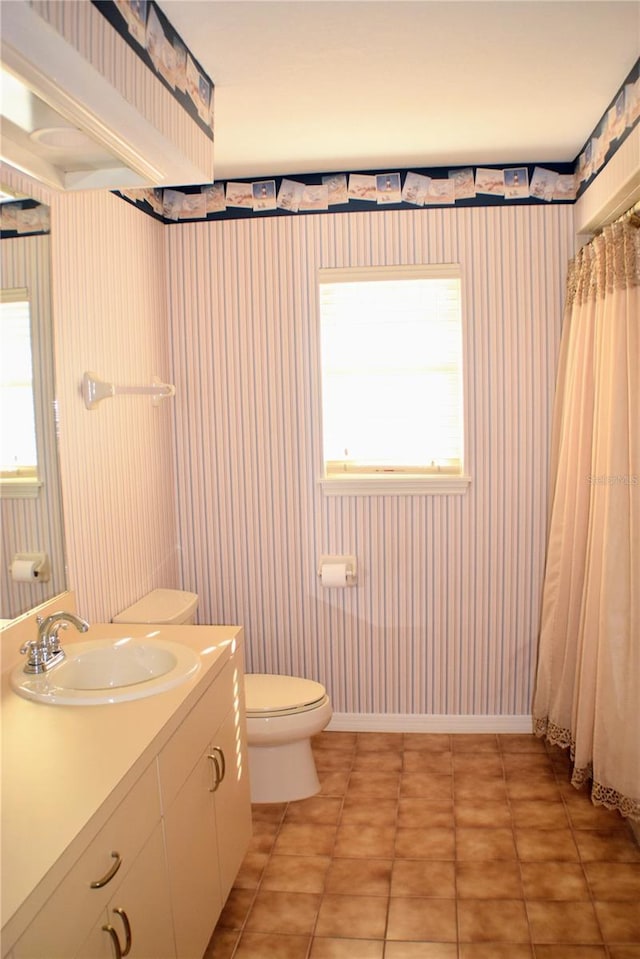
{"points": [[427, 723]]}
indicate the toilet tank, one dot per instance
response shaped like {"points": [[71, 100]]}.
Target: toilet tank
{"points": [[169, 607]]}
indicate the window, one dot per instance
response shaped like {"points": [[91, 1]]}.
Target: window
{"points": [[18, 454], [392, 391]]}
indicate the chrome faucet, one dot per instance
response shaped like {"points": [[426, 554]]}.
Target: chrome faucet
{"points": [[45, 651]]}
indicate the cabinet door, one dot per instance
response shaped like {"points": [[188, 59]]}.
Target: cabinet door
{"points": [[192, 857], [141, 904], [232, 800]]}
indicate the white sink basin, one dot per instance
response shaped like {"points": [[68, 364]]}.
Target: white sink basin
{"points": [[109, 671]]}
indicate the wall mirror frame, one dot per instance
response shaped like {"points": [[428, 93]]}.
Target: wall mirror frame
{"points": [[33, 524]]}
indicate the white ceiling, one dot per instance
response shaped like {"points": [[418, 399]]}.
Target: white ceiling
{"points": [[306, 86]]}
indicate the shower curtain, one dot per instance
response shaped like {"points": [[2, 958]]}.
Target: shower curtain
{"points": [[587, 695]]}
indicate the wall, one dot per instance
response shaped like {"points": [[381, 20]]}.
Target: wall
{"points": [[116, 461], [34, 525], [444, 619]]}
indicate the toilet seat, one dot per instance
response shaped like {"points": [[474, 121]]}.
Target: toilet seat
{"points": [[269, 695]]}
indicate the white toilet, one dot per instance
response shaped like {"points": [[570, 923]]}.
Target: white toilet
{"points": [[283, 712]]}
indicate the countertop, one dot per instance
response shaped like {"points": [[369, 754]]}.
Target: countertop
{"points": [[66, 768]]}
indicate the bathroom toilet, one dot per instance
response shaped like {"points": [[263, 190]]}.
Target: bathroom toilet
{"points": [[283, 712], [163, 607]]}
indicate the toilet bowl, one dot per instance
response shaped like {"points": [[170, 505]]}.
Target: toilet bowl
{"points": [[283, 713]]}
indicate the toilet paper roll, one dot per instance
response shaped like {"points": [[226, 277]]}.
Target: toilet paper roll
{"points": [[24, 571], [334, 574]]}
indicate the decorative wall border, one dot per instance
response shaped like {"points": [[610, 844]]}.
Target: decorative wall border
{"points": [[145, 28], [493, 184], [23, 218]]}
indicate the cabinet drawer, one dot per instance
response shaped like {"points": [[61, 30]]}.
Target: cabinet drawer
{"points": [[183, 750], [56, 932]]}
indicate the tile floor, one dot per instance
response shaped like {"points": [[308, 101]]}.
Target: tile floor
{"points": [[424, 846]]}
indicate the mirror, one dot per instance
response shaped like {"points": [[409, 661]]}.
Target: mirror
{"points": [[31, 518]]}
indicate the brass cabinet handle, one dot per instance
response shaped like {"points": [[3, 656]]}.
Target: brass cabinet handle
{"points": [[115, 942], [108, 876], [217, 758], [127, 930]]}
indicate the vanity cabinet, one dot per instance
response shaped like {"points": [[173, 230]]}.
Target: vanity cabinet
{"points": [[139, 909], [62, 926], [205, 795], [165, 859]]}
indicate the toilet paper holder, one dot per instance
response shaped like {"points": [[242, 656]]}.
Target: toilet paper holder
{"points": [[350, 562], [30, 567]]}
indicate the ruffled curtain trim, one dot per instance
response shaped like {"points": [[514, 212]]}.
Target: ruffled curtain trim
{"points": [[600, 795]]}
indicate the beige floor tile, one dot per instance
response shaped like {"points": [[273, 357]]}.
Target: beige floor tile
{"points": [[317, 809], [426, 843], [535, 787], [488, 880], [279, 912], [484, 844], [369, 842], [415, 812], [268, 812], [569, 952], [296, 873], [546, 845], [468, 788], [374, 762], [624, 951], [346, 949], [381, 812], [368, 787], [335, 741], [422, 919], [521, 743], [333, 782], [482, 812], [260, 946], [428, 742], [264, 835], [563, 922], [364, 877], [426, 785], [492, 920], [251, 870], [495, 950], [554, 880], [355, 917], [420, 950], [611, 846], [423, 878], [422, 761], [481, 765], [614, 880], [532, 814], [236, 908], [619, 921], [381, 743], [474, 743], [222, 944], [305, 839]]}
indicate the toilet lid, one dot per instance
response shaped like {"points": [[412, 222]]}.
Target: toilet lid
{"points": [[265, 693]]}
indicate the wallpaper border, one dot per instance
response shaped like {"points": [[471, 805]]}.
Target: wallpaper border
{"points": [[426, 187]]}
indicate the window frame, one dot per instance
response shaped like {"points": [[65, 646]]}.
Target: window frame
{"points": [[23, 482], [402, 480]]}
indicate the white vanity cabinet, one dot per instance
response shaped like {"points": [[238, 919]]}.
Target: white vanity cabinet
{"points": [[162, 862], [137, 922], [115, 864], [207, 814]]}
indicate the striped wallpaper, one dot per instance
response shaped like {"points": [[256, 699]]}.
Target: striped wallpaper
{"points": [[444, 618], [116, 460], [34, 525]]}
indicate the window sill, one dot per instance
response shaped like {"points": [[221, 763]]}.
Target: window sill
{"points": [[360, 485], [20, 488]]}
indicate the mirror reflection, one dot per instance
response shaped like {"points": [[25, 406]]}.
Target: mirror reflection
{"points": [[30, 506]]}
